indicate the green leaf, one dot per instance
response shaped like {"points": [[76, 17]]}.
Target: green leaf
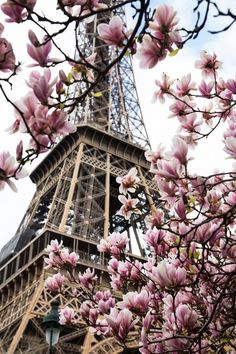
{"points": [[69, 77], [127, 53], [174, 52], [97, 94]]}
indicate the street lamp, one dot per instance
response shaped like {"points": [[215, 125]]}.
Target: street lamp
{"points": [[52, 326]]}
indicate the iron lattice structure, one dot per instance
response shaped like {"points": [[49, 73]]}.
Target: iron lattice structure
{"points": [[76, 202]]}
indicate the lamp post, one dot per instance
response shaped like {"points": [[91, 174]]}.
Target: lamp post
{"points": [[52, 326]]}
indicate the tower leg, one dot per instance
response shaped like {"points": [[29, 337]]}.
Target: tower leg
{"points": [[25, 319]]}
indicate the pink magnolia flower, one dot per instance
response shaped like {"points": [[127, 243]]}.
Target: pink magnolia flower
{"points": [[67, 315], [55, 283], [128, 207], [116, 282], [167, 275], [54, 246], [105, 301], [70, 259], [58, 123], [157, 240], [7, 57], [41, 85], [180, 150], [185, 87], [213, 201], [26, 106], [8, 168], [113, 33], [181, 209], [134, 301], [88, 279], [164, 17], [190, 123], [115, 244], [231, 85], [169, 169], [150, 52], [154, 156], [16, 11], [120, 322], [19, 151], [206, 88], [53, 260], [156, 218], [88, 312], [128, 182], [50, 122], [164, 88], [230, 146], [228, 250], [207, 232], [208, 63], [231, 198], [167, 190], [183, 318], [102, 328], [39, 51], [136, 271], [181, 109]]}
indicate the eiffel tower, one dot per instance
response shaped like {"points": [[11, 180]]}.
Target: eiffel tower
{"points": [[76, 202]]}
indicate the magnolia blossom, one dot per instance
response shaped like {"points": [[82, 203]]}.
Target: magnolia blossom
{"points": [[156, 218], [205, 88], [7, 56], [115, 244], [164, 88], [128, 182], [41, 85], [230, 146], [167, 275], [8, 169], [66, 316], [113, 33], [185, 87], [158, 241], [165, 16], [150, 52], [120, 322], [138, 302], [54, 246], [208, 63], [170, 170], [128, 207], [16, 11], [19, 151], [180, 150], [39, 51], [55, 283], [89, 313], [104, 300], [88, 278]]}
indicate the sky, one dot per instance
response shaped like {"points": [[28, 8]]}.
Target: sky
{"points": [[161, 129]]}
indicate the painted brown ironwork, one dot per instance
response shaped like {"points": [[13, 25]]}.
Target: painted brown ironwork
{"points": [[76, 202]]}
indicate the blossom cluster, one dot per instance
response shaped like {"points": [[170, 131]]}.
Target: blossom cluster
{"points": [[181, 298], [42, 113], [154, 45]]}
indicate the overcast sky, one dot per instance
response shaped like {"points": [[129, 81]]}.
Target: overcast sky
{"points": [[160, 128]]}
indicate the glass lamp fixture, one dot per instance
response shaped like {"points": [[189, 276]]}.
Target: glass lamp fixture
{"points": [[52, 326]]}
